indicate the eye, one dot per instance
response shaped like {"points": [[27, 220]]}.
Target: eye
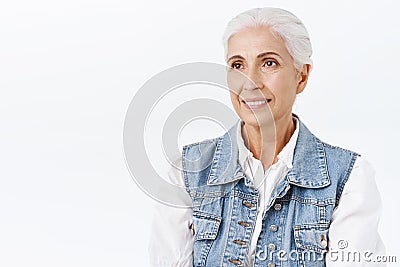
{"points": [[236, 65], [270, 63]]}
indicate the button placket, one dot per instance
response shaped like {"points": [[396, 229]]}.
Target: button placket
{"points": [[272, 247], [240, 243]]}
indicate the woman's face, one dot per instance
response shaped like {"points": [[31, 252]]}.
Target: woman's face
{"points": [[267, 90]]}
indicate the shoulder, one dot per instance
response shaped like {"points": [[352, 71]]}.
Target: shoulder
{"points": [[360, 184], [174, 174], [226, 142], [361, 191], [326, 145], [205, 142], [340, 149], [336, 155], [339, 163], [197, 159], [362, 176], [202, 148], [312, 146]]}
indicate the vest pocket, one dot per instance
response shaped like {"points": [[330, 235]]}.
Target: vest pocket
{"points": [[206, 228], [205, 225], [311, 242]]}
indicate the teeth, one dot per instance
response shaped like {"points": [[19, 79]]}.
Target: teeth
{"points": [[254, 103]]}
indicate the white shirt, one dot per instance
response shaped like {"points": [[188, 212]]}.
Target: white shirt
{"points": [[171, 241]]}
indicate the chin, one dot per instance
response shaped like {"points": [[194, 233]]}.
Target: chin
{"points": [[258, 119]]}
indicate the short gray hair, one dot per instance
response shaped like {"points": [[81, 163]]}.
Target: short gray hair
{"points": [[281, 22]]}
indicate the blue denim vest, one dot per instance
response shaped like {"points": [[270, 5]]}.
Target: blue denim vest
{"points": [[296, 223]]}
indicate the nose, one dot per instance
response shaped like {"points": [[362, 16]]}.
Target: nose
{"points": [[253, 80]]}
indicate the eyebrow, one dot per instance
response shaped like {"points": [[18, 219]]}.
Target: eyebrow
{"points": [[258, 56]]}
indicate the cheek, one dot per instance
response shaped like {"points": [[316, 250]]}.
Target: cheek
{"points": [[234, 99], [236, 104], [235, 80], [284, 89]]}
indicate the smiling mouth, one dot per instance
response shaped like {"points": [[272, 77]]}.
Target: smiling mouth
{"points": [[254, 104]]}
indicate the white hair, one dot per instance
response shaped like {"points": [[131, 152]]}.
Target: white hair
{"points": [[282, 23]]}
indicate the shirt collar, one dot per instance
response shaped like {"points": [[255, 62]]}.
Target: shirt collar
{"points": [[309, 155], [286, 154]]}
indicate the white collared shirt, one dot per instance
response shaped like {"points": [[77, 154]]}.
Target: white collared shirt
{"points": [[266, 182], [171, 242]]}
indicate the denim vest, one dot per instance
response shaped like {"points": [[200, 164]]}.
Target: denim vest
{"points": [[296, 222]]}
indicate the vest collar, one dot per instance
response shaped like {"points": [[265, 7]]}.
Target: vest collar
{"points": [[309, 161]]}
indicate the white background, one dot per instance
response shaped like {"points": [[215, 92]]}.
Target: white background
{"points": [[69, 69]]}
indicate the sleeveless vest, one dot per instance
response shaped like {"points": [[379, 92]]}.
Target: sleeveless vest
{"points": [[296, 222]]}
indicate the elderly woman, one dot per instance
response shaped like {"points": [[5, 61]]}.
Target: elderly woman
{"points": [[268, 192]]}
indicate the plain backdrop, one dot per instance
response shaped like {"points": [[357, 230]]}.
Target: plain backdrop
{"points": [[69, 69]]}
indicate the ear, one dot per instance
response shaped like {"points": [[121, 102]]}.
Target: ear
{"points": [[303, 78]]}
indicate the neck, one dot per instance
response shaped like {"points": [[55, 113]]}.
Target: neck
{"points": [[265, 142]]}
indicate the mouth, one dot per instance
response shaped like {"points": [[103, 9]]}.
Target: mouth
{"points": [[256, 103]]}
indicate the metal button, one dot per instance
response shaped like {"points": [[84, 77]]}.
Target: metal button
{"points": [[245, 224], [277, 206], [272, 247], [248, 204], [237, 262], [323, 242], [271, 264], [191, 227], [240, 242], [273, 228]]}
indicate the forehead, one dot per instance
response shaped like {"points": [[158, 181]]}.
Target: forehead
{"points": [[256, 40]]}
